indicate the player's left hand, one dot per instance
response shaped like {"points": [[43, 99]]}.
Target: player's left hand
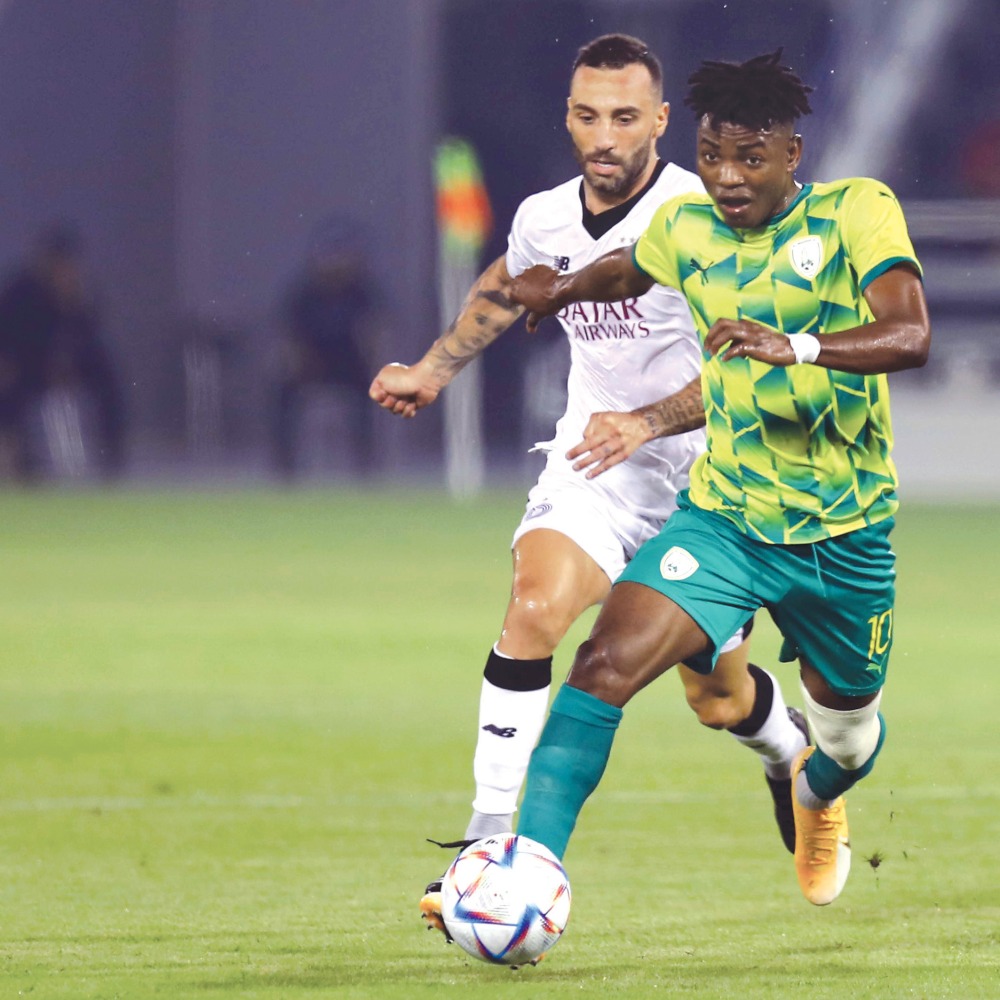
{"points": [[747, 339], [608, 439]]}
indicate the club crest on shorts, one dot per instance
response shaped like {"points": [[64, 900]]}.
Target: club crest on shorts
{"points": [[806, 256], [677, 564]]}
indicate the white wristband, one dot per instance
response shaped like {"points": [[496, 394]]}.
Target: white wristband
{"points": [[805, 347]]}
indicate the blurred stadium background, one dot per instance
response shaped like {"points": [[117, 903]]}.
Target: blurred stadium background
{"points": [[197, 144], [219, 705]]}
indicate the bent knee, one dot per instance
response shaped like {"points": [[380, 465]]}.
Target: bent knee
{"points": [[719, 702], [534, 617], [850, 738], [598, 670], [716, 713]]}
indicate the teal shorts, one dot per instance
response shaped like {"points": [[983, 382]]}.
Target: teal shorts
{"points": [[832, 600]]}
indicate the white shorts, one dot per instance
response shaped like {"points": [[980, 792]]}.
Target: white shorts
{"points": [[609, 533]]}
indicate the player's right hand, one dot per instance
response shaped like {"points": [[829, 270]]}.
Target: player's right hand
{"points": [[537, 289], [403, 389], [608, 440]]}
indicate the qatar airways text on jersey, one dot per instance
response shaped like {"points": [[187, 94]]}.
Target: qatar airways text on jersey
{"points": [[621, 320]]}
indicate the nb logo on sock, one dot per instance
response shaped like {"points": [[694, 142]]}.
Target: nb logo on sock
{"points": [[507, 732]]}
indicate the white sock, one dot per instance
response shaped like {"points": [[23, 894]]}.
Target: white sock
{"points": [[510, 723], [486, 825], [778, 740]]}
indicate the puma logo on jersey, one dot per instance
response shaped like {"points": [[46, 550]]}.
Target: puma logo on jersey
{"points": [[506, 732], [702, 271]]}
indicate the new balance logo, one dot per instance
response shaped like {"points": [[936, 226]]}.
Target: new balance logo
{"points": [[560, 263], [506, 733]]}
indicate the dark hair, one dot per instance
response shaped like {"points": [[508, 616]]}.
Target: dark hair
{"points": [[757, 94], [617, 52]]}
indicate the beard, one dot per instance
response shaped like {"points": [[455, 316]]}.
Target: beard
{"points": [[620, 184]]}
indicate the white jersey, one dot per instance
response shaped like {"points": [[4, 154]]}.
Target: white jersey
{"points": [[623, 354]]}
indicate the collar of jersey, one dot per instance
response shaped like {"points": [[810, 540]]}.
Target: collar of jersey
{"points": [[600, 223], [748, 235]]}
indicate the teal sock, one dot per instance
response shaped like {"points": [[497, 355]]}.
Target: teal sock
{"points": [[828, 780], [566, 766]]}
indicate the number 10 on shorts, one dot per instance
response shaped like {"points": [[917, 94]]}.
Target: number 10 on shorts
{"points": [[881, 634]]}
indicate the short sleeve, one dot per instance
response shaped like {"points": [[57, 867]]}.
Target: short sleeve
{"points": [[654, 253], [874, 231], [519, 257]]}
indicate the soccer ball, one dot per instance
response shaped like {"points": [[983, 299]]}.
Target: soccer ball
{"points": [[505, 899]]}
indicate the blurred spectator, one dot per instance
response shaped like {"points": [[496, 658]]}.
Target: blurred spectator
{"points": [[50, 341], [329, 321]]}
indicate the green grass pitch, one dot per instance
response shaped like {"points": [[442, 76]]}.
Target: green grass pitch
{"points": [[228, 721]]}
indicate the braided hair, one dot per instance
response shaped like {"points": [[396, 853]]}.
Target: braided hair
{"points": [[756, 94]]}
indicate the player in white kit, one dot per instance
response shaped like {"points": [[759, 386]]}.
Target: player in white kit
{"points": [[621, 451]]}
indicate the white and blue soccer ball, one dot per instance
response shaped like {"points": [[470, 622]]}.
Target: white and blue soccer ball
{"points": [[506, 899]]}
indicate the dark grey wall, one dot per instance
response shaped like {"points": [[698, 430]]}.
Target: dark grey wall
{"points": [[86, 125], [303, 109], [196, 142], [289, 112]]}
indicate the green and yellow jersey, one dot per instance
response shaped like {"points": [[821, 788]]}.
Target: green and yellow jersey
{"points": [[799, 453]]}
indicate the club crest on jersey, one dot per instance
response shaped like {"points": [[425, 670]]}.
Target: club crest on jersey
{"points": [[677, 564], [560, 263], [806, 256], [538, 510]]}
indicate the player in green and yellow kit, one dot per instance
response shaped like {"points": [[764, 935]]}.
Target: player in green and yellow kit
{"points": [[804, 297]]}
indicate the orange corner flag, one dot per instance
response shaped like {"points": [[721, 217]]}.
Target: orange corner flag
{"points": [[465, 219]]}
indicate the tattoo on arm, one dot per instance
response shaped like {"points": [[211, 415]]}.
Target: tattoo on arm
{"points": [[498, 298], [677, 414], [486, 313]]}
